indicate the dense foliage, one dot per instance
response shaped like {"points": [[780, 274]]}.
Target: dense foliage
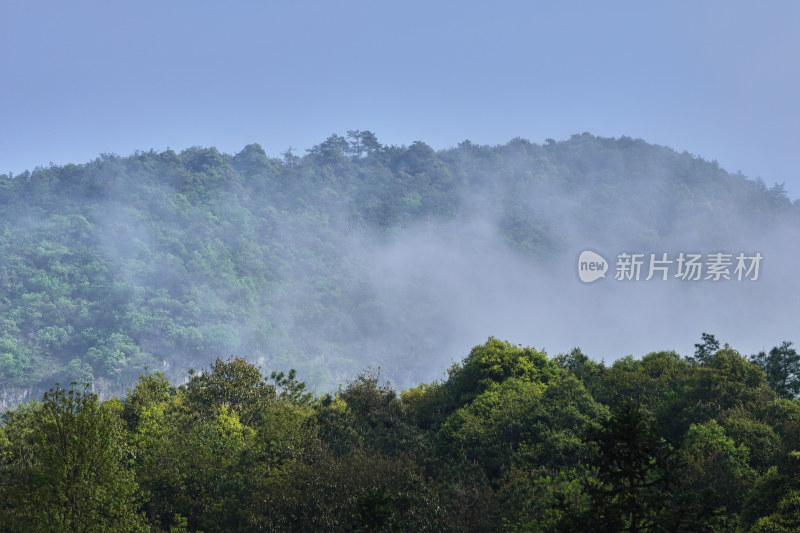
{"points": [[511, 440], [146, 267], [165, 260]]}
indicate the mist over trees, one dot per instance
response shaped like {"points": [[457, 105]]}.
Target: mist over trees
{"points": [[357, 254], [208, 329]]}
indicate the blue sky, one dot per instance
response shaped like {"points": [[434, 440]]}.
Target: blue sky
{"points": [[717, 79]]}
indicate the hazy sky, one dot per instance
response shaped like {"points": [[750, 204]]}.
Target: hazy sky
{"points": [[718, 79]]}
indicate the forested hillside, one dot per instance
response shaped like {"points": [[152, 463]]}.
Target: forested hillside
{"points": [[352, 254], [511, 440], [157, 288]]}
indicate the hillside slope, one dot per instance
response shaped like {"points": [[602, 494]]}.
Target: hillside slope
{"points": [[354, 254]]}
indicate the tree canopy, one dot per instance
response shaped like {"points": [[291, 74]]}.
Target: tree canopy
{"points": [[511, 439]]}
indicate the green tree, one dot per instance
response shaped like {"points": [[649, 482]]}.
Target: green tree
{"points": [[289, 388], [726, 381], [581, 366], [65, 467], [635, 485], [717, 468], [362, 143], [235, 384], [189, 465], [353, 492], [490, 363], [771, 505], [494, 362], [652, 382], [782, 367], [785, 519], [706, 348], [519, 424], [750, 430]]}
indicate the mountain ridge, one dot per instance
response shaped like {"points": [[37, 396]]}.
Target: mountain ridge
{"points": [[326, 262]]}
